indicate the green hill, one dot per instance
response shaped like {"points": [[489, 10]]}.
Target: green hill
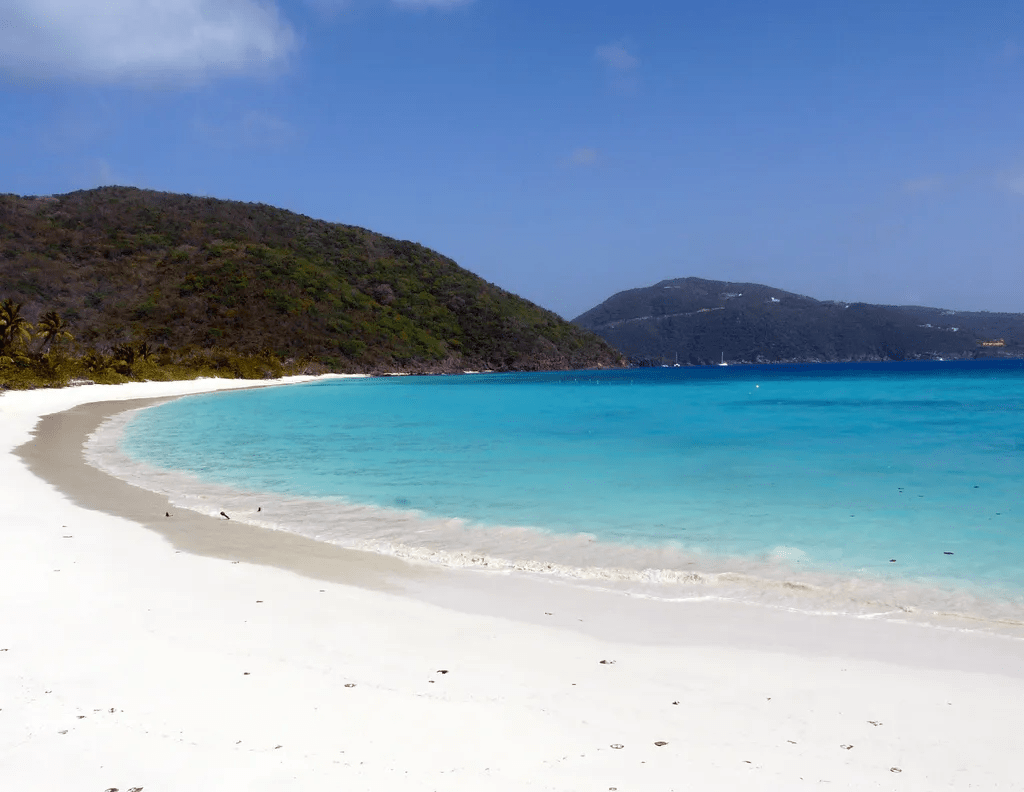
{"points": [[123, 265], [700, 322]]}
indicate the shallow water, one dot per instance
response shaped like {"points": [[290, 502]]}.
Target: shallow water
{"points": [[867, 488]]}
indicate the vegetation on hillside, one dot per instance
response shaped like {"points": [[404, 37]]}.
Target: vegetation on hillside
{"points": [[39, 357], [699, 322], [200, 279]]}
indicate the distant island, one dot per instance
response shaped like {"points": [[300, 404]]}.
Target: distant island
{"points": [[117, 283], [693, 321]]}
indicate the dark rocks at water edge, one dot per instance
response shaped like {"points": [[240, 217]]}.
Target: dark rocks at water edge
{"points": [[182, 273], [694, 321]]}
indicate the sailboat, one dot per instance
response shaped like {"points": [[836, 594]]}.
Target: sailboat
{"points": [[723, 363]]}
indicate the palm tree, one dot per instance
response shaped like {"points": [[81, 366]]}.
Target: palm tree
{"points": [[125, 352], [52, 328], [14, 328]]}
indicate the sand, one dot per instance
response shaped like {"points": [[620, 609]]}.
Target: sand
{"points": [[139, 651]]}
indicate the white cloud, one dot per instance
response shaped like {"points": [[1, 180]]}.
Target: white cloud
{"points": [[165, 42], [616, 57], [582, 157]]}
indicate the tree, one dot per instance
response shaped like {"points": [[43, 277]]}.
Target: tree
{"points": [[52, 328], [14, 328], [124, 357]]}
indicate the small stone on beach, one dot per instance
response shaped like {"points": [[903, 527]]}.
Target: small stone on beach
{"points": [[660, 743]]}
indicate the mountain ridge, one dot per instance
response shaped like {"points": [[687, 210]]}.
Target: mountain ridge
{"points": [[701, 321]]}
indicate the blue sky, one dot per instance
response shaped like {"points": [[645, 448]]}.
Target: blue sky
{"points": [[564, 150]]}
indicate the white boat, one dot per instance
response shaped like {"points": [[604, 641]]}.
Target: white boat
{"points": [[723, 363]]}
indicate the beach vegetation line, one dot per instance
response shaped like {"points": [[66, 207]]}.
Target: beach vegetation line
{"points": [[42, 356]]}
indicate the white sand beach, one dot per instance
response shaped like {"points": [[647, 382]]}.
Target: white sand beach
{"points": [[139, 651]]}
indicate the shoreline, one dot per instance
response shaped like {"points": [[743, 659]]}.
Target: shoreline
{"points": [[522, 651], [61, 435], [432, 542]]}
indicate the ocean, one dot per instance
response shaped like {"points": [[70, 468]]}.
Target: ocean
{"points": [[890, 490]]}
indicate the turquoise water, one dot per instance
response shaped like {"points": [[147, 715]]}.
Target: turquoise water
{"points": [[902, 478]]}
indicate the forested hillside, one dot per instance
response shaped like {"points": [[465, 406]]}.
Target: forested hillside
{"points": [[701, 322], [186, 274]]}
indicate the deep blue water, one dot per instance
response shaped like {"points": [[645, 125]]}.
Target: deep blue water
{"points": [[835, 469]]}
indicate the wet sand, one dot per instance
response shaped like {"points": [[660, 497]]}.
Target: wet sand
{"points": [[55, 455]]}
